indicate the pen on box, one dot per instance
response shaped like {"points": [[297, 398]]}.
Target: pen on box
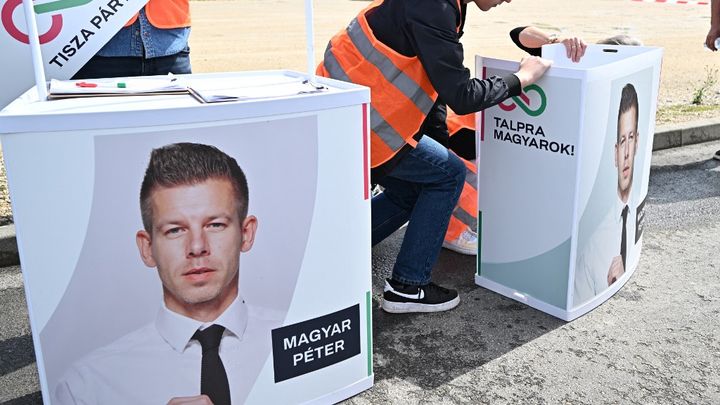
{"points": [[85, 84]]}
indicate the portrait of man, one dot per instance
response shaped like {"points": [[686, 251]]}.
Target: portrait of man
{"points": [[194, 207], [604, 259]]}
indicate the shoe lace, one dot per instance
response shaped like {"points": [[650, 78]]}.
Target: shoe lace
{"points": [[468, 235]]}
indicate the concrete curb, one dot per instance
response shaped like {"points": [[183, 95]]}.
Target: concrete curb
{"points": [[666, 136], [672, 136]]}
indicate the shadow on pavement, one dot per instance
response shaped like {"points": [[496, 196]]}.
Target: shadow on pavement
{"points": [[429, 350], [665, 180], [16, 353]]}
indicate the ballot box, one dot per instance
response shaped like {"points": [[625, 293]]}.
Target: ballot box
{"points": [[563, 178], [135, 230]]}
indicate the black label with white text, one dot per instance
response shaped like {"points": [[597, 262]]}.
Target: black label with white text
{"points": [[317, 343]]}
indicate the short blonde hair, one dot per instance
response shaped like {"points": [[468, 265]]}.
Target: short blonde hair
{"points": [[621, 39]]}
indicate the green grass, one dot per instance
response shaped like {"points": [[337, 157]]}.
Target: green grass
{"points": [[701, 92], [686, 113]]}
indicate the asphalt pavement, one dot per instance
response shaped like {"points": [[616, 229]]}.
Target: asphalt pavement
{"points": [[656, 341]]}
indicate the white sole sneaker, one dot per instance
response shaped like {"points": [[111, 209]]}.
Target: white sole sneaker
{"points": [[459, 249], [408, 307]]}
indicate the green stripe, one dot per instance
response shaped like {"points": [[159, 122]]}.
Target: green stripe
{"points": [[368, 326], [479, 234], [59, 5]]}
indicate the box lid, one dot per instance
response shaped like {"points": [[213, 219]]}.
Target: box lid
{"points": [[28, 114]]}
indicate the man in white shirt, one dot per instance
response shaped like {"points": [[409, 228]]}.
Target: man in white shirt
{"points": [[194, 203], [604, 259]]}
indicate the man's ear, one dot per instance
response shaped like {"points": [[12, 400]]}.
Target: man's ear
{"points": [[144, 244], [637, 141], [615, 155], [249, 226]]}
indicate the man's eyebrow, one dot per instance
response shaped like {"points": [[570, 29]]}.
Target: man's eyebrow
{"points": [[161, 225], [219, 216]]}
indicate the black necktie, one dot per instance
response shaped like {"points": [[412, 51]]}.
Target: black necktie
{"points": [[213, 379], [623, 241]]}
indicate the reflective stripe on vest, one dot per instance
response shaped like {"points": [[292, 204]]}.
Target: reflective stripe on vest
{"points": [[401, 92], [166, 14], [397, 77], [471, 179], [464, 215], [378, 125], [466, 209]]}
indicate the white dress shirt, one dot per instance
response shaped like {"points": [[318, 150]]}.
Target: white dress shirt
{"points": [[160, 361], [593, 262]]}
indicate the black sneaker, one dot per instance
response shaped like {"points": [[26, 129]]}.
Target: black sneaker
{"points": [[401, 298], [716, 156]]}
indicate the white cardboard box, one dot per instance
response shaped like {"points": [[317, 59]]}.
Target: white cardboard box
{"points": [[549, 191], [75, 167]]}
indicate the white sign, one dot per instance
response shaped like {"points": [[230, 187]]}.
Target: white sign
{"points": [[70, 33], [563, 169], [95, 262]]}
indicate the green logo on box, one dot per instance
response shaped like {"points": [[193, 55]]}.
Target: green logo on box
{"points": [[523, 101]]}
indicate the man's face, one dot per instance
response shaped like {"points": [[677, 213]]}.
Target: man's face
{"points": [[625, 149], [195, 243], [486, 5]]}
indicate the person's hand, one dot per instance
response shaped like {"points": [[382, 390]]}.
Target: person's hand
{"points": [[712, 35], [574, 47], [616, 270], [196, 400], [531, 69]]}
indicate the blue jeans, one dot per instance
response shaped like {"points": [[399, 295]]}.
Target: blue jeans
{"points": [[423, 189], [121, 66]]}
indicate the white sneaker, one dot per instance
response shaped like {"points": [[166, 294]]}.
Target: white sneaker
{"points": [[466, 244]]}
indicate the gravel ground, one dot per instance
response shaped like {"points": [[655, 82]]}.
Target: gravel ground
{"points": [[5, 210], [655, 342]]}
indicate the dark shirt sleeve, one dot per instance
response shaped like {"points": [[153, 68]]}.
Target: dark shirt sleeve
{"points": [[432, 26], [435, 126], [515, 36]]}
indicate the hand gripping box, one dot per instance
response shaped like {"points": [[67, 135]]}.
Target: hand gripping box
{"points": [[563, 178]]}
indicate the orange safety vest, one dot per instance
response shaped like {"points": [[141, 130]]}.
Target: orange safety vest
{"points": [[166, 14], [400, 91], [466, 211], [455, 122], [461, 129]]}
